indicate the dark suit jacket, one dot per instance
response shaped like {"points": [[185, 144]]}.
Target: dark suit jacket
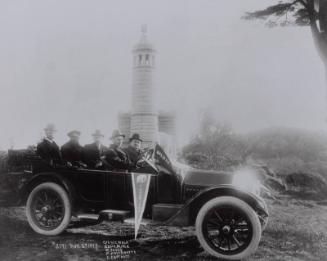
{"points": [[133, 155], [72, 152], [92, 154], [116, 158], [49, 151]]}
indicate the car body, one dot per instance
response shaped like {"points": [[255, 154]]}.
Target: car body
{"points": [[195, 197]]}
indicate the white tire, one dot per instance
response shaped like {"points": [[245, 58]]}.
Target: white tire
{"points": [[48, 209], [241, 234]]}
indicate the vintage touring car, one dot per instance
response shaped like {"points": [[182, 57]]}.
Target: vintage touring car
{"points": [[227, 216]]}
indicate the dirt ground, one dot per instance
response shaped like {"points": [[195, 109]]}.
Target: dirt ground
{"points": [[297, 230]]}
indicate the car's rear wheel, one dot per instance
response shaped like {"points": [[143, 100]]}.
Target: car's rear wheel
{"points": [[228, 228], [48, 209]]}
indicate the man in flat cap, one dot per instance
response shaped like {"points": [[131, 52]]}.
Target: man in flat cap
{"points": [[72, 151], [93, 152], [115, 157], [47, 149], [133, 151]]}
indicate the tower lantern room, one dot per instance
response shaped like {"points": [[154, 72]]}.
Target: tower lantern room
{"points": [[144, 52]]}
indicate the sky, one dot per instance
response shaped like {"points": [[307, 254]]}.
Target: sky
{"points": [[69, 62]]}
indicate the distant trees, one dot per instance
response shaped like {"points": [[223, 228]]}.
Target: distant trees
{"points": [[284, 150], [288, 151], [215, 146], [283, 143], [298, 157]]}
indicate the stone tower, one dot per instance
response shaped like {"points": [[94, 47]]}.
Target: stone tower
{"points": [[144, 114], [144, 118]]}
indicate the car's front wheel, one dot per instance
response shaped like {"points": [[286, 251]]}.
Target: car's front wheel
{"points": [[228, 228], [48, 209]]}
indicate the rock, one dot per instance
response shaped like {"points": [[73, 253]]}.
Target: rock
{"points": [[306, 184], [269, 178]]}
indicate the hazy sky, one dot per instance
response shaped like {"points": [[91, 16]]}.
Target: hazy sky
{"points": [[69, 62]]}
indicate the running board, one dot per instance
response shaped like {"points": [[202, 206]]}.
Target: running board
{"points": [[84, 216], [115, 214], [132, 221], [108, 214]]}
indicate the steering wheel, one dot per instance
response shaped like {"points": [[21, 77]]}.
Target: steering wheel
{"points": [[141, 163]]}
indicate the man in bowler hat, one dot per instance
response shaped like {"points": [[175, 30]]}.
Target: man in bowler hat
{"points": [[72, 151], [93, 152], [133, 150], [47, 149], [115, 157]]}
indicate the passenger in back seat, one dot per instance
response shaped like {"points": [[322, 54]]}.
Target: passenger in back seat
{"points": [[115, 157]]}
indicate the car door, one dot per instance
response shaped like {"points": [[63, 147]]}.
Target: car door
{"points": [[92, 185], [118, 194]]}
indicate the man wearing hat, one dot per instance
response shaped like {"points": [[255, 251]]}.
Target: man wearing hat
{"points": [[47, 149], [72, 151], [93, 152], [133, 150], [115, 157]]}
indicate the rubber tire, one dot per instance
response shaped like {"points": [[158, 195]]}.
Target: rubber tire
{"points": [[235, 202], [67, 205]]}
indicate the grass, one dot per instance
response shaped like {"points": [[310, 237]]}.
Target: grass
{"points": [[297, 230]]}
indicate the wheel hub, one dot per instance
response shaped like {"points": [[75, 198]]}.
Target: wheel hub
{"points": [[46, 208], [226, 229]]}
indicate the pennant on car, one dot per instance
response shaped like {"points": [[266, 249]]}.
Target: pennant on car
{"points": [[141, 184]]}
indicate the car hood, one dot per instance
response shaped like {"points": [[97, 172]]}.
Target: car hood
{"points": [[197, 177]]}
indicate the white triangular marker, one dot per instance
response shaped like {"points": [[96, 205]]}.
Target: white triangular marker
{"points": [[141, 184]]}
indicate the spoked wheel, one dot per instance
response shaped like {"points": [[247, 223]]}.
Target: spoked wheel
{"points": [[48, 209], [228, 228]]}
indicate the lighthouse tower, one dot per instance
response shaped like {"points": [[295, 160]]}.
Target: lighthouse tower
{"points": [[144, 114]]}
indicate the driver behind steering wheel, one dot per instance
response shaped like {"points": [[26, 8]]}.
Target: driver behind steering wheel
{"points": [[134, 152]]}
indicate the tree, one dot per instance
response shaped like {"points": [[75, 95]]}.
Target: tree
{"points": [[215, 146], [311, 13]]}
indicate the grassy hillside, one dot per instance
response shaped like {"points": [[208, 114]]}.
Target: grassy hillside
{"points": [[298, 157]]}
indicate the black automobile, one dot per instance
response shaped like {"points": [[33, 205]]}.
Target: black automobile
{"points": [[228, 215]]}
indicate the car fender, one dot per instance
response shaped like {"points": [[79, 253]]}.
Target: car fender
{"points": [[192, 206], [46, 177]]}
